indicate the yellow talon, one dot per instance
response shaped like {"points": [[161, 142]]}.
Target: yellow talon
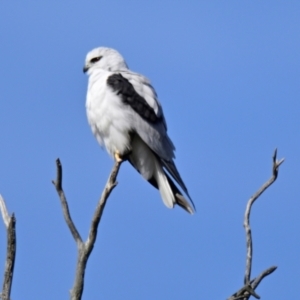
{"points": [[118, 157]]}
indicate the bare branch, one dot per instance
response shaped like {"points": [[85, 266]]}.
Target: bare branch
{"points": [[259, 278], [110, 185], [249, 287], [64, 203], [84, 249], [276, 165], [10, 224], [246, 291]]}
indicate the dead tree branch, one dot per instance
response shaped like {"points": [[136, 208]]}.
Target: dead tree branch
{"points": [[250, 285], [84, 248], [64, 204], [246, 291], [10, 224]]}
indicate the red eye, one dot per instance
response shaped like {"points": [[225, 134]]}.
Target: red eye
{"points": [[95, 59]]}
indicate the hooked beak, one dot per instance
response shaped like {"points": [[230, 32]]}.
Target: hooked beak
{"points": [[85, 69]]}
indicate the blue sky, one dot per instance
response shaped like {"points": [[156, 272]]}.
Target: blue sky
{"points": [[227, 74]]}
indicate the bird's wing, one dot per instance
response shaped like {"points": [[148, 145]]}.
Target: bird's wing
{"points": [[147, 118]]}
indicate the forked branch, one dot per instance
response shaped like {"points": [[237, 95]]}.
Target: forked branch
{"points": [[84, 248], [249, 287]]}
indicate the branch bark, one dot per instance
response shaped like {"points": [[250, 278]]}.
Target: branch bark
{"points": [[84, 248], [10, 224], [249, 287]]}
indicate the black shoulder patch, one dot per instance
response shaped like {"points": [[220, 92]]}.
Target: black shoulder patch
{"points": [[129, 96]]}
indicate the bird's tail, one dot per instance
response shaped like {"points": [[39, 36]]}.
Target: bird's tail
{"points": [[169, 192]]}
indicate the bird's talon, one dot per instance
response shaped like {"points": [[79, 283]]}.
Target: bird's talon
{"points": [[118, 157]]}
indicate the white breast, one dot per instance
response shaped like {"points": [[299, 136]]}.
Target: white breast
{"points": [[107, 115]]}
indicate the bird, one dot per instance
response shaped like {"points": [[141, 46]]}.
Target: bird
{"points": [[127, 119]]}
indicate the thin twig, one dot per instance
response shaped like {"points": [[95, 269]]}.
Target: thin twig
{"points": [[276, 165], [110, 185], [249, 287], [259, 278], [84, 249], [64, 204], [10, 224], [246, 291]]}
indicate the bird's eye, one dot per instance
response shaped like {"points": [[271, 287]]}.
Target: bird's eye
{"points": [[95, 59]]}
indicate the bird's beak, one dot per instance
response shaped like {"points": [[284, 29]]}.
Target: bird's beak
{"points": [[85, 69]]}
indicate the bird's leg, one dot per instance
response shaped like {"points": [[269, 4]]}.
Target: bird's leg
{"points": [[118, 157], [122, 157]]}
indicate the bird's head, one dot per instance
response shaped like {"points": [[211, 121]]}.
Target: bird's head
{"points": [[104, 58]]}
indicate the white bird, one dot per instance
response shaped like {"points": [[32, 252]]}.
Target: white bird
{"points": [[127, 119]]}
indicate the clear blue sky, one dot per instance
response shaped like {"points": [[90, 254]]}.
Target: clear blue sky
{"points": [[227, 74]]}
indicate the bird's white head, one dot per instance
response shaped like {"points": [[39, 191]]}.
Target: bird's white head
{"points": [[105, 59]]}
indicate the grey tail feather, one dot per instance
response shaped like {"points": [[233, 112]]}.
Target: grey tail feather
{"points": [[180, 200], [171, 168]]}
